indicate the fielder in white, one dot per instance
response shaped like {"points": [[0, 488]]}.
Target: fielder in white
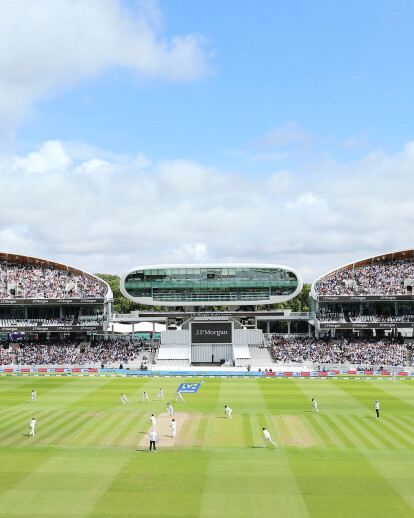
{"points": [[153, 421], [145, 397], [314, 406], [228, 411], [170, 409], [179, 396], [32, 426], [34, 396], [377, 408], [124, 399], [160, 395], [267, 438], [173, 427]]}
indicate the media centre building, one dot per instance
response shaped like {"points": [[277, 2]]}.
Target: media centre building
{"points": [[192, 332]]}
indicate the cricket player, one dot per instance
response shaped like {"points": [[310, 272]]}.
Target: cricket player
{"points": [[153, 437], [173, 427], [179, 396], [160, 395], [170, 409], [34, 396], [32, 426], [394, 376], [377, 408], [153, 421], [145, 397], [124, 399], [228, 411], [267, 438], [314, 406]]}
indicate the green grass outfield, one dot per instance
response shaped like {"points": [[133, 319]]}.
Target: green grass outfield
{"points": [[85, 459]]}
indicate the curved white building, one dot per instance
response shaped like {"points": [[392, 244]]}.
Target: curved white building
{"points": [[211, 284]]}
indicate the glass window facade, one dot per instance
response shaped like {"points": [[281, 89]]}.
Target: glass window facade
{"points": [[237, 285]]}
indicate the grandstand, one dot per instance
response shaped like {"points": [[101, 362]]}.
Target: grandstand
{"points": [[44, 298], [369, 298], [361, 314]]}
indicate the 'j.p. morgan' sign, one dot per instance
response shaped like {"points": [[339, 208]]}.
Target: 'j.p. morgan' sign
{"points": [[211, 333]]}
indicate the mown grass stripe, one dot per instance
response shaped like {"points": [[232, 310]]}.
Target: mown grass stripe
{"points": [[319, 432], [247, 429], [7, 423], [66, 432], [8, 414], [109, 438], [131, 437], [202, 430], [338, 430], [360, 425], [402, 437], [98, 433], [20, 420], [84, 430], [402, 422], [359, 436], [386, 439], [121, 431], [14, 437]]}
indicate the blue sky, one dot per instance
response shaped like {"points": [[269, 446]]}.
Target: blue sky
{"points": [[261, 131]]}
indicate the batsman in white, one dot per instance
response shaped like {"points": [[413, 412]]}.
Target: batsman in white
{"points": [[228, 411]]}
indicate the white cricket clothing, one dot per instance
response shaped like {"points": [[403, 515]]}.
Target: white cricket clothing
{"points": [[229, 411], [34, 396], [124, 399], [145, 397], [153, 435], [32, 426], [267, 437], [153, 421], [376, 405], [315, 406], [170, 410], [178, 395], [173, 428], [160, 395]]}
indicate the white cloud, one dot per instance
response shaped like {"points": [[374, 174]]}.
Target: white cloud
{"points": [[110, 214], [287, 135], [48, 46]]}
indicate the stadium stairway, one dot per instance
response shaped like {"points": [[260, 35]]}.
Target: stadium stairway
{"points": [[260, 357]]}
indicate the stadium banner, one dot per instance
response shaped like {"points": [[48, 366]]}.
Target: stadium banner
{"points": [[211, 333], [365, 325], [270, 373], [370, 373], [46, 302], [361, 298], [385, 373], [189, 387], [402, 373], [303, 373], [49, 329]]}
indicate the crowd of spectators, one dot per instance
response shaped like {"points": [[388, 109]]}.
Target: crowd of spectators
{"points": [[6, 356], [380, 318], [112, 351], [45, 354], [330, 317], [36, 321], [40, 282], [377, 279], [307, 349]]}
